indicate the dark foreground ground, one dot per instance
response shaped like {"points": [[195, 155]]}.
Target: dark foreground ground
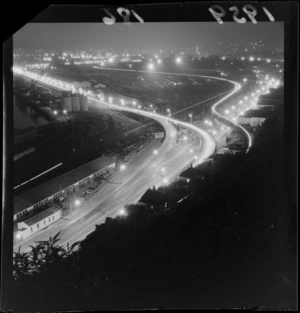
{"points": [[232, 245]]}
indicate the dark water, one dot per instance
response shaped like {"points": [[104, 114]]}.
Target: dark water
{"points": [[25, 117]]}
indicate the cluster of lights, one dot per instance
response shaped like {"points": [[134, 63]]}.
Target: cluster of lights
{"points": [[252, 59], [207, 122], [37, 65]]}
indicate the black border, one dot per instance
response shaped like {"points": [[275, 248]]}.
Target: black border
{"points": [[286, 11]]}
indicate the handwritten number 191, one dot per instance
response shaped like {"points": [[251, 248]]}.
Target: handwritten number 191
{"points": [[124, 13]]}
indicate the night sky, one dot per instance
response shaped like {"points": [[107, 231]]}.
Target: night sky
{"points": [[149, 36]]}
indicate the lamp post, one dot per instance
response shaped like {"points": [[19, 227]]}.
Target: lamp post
{"points": [[122, 168], [76, 203]]}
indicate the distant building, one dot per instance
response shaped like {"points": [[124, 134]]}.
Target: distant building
{"points": [[84, 84], [39, 221], [193, 174], [100, 86], [156, 198], [254, 118]]}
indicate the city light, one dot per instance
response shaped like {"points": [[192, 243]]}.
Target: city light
{"points": [[245, 80], [134, 102], [110, 99], [18, 235], [77, 202], [123, 212], [251, 59], [150, 66], [155, 152], [165, 181], [122, 167], [55, 112], [178, 60], [65, 111], [227, 112], [185, 138], [233, 107]]}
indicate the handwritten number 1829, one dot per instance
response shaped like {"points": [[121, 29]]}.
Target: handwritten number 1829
{"points": [[248, 9]]}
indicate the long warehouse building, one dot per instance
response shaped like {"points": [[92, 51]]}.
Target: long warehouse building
{"points": [[62, 185]]}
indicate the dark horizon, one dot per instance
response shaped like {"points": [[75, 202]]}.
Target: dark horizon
{"points": [[148, 36]]}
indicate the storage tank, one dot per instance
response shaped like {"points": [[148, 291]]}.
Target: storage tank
{"points": [[83, 103], [67, 103], [75, 103]]}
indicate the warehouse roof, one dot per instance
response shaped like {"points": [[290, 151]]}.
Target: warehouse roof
{"points": [[49, 188], [41, 216]]}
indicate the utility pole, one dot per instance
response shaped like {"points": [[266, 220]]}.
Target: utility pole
{"points": [[71, 209]]}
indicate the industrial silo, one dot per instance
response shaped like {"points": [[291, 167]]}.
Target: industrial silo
{"points": [[67, 103], [83, 103], [75, 103]]}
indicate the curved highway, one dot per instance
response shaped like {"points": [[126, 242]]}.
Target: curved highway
{"points": [[144, 171]]}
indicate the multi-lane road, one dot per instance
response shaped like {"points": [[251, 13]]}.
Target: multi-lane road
{"points": [[144, 171]]}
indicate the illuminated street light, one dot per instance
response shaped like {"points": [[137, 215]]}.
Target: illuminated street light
{"points": [[233, 107], [55, 112], [241, 102], [227, 112], [191, 150], [110, 60], [18, 235], [134, 102], [122, 167], [245, 80], [123, 212], [65, 111], [165, 181], [155, 152], [185, 138], [151, 66], [251, 59], [139, 106], [159, 61], [77, 202], [178, 60], [246, 98]]}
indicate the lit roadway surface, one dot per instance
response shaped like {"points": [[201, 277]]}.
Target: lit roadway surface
{"points": [[144, 171]]}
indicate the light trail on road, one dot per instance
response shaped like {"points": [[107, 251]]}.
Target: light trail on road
{"points": [[237, 87], [110, 203]]}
